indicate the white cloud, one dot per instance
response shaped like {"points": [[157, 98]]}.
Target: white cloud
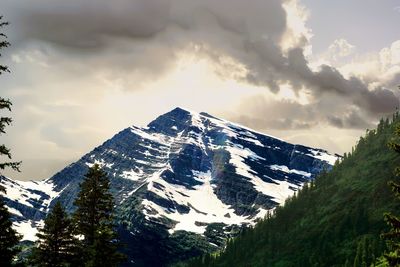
{"points": [[340, 48], [390, 56], [380, 69], [377, 69], [297, 33]]}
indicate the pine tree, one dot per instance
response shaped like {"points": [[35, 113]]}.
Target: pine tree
{"points": [[103, 251], [9, 238], [393, 236], [357, 259], [4, 151], [56, 246], [94, 220], [5, 104]]}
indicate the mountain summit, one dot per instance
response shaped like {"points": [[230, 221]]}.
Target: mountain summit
{"points": [[188, 175]]}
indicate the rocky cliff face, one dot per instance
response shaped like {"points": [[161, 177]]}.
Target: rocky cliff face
{"points": [[181, 185]]}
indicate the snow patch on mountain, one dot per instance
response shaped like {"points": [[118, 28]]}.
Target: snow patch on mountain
{"points": [[330, 159], [14, 211], [204, 206], [28, 229], [132, 174], [278, 190], [27, 192], [287, 170], [238, 153]]}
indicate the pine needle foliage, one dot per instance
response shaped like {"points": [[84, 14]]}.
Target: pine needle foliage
{"points": [[5, 104], [94, 220], [392, 258], [56, 246], [9, 238]]}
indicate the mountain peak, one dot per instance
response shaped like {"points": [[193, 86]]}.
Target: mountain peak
{"points": [[186, 171], [171, 122], [180, 109]]}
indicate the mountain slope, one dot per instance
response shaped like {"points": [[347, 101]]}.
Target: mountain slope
{"points": [[182, 184], [28, 202], [336, 221]]}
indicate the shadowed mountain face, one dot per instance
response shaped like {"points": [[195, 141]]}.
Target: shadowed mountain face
{"points": [[181, 185]]}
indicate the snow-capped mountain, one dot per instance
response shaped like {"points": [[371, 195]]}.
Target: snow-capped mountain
{"points": [[186, 176]]}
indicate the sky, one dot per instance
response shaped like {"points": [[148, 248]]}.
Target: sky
{"points": [[311, 72]]}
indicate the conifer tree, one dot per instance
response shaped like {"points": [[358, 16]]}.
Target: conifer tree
{"points": [[103, 251], [5, 104], [94, 220], [8, 236], [393, 236], [4, 151], [56, 247]]}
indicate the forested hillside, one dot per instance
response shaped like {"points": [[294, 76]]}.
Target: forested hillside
{"points": [[334, 221]]}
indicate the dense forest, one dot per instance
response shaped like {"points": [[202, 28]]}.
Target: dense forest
{"points": [[337, 220]]}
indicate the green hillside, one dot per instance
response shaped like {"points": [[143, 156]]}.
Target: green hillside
{"points": [[335, 221]]}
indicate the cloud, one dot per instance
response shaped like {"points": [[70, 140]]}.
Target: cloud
{"points": [[340, 48], [266, 112], [142, 38], [351, 120], [84, 50], [390, 56]]}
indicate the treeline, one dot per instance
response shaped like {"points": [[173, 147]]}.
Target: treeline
{"points": [[85, 238], [336, 220]]}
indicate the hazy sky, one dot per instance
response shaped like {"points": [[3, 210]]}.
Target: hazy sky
{"points": [[313, 72]]}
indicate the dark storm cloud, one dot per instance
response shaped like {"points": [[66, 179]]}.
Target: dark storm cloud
{"points": [[330, 80], [84, 24], [87, 23], [270, 114], [274, 114], [147, 34], [353, 120]]}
